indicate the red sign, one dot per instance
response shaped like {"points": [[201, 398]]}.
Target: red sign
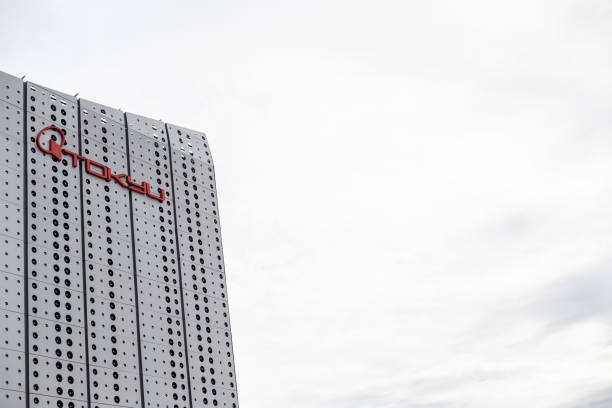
{"points": [[94, 168]]}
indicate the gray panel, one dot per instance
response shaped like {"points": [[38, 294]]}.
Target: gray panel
{"points": [[11, 154], [12, 255], [48, 196], [56, 377], [113, 341], [12, 236], [11, 220], [190, 142], [13, 367], [198, 279], [161, 325], [11, 120], [209, 342], [11, 186], [195, 193], [203, 308], [57, 342], [194, 170], [106, 249], [41, 400], [200, 243], [126, 394], [12, 333], [12, 399], [100, 152], [49, 339], [43, 268], [109, 213], [11, 292], [104, 124], [11, 89], [160, 328], [163, 392], [159, 297], [110, 283], [160, 178], [148, 265], [11, 157]]}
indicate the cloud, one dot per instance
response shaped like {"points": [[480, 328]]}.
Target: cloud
{"points": [[598, 399], [580, 296]]}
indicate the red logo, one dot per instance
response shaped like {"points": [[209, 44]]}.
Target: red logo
{"points": [[94, 168]]}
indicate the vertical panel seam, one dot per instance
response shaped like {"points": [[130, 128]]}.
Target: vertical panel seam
{"points": [[25, 247], [178, 261], [129, 170], [83, 271]]}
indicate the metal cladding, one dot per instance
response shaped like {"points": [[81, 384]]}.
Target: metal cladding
{"points": [[112, 275]]}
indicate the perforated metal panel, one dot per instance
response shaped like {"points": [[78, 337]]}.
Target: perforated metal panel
{"points": [[112, 282], [109, 274], [209, 340], [12, 275], [57, 354], [157, 269]]}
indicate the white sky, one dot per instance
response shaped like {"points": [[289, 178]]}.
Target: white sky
{"points": [[416, 198]]}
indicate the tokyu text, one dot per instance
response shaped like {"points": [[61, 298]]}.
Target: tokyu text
{"points": [[94, 168]]}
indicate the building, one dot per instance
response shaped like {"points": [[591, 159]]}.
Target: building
{"points": [[112, 279]]}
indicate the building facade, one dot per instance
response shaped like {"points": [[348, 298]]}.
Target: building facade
{"points": [[112, 280]]}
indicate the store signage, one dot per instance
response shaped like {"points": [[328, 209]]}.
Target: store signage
{"points": [[94, 168]]}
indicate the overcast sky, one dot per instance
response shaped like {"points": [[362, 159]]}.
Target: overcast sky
{"points": [[416, 197]]}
